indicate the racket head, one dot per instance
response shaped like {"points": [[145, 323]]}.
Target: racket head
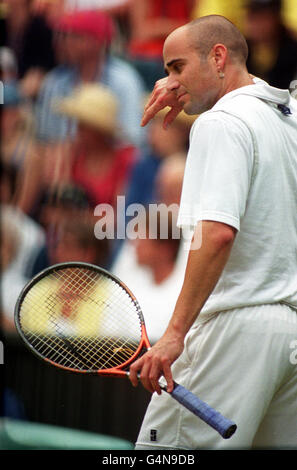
{"points": [[80, 317]]}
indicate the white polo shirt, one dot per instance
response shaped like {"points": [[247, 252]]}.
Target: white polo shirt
{"points": [[242, 170]]}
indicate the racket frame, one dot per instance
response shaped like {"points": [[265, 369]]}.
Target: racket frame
{"points": [[118, 371]]}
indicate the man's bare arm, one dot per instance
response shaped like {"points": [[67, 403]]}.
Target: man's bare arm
{"points": [[203, 271]]}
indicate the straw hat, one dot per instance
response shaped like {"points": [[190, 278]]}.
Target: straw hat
{"points": [[91, 104]]}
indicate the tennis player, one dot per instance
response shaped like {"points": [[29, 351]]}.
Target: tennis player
{"points": [[235, 322]]}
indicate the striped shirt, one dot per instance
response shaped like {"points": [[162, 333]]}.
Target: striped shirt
{"points": [[119, 76]]}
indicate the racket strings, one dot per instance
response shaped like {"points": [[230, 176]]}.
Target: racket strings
{"points": [[80, 319], [84, 353]]}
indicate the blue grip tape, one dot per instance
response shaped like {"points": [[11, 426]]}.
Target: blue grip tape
{"points": [[213, 418]]}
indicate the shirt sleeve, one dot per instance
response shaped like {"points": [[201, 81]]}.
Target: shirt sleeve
{"points": [[218, 171], [51, 126]]}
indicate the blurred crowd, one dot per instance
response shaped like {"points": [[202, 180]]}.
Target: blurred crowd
{"points": [[76, 75]]}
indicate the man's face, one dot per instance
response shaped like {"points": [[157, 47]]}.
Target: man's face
{"points": [[262, 25], [194, 80], [79, 47]]}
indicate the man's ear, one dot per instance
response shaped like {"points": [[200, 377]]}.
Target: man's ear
{"points": [[219, 54]]}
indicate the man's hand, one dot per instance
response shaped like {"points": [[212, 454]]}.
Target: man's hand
{"points": [[157, 363], [160, 98]]}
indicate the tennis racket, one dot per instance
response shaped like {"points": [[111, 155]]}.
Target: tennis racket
{"points": [[81, 318]]}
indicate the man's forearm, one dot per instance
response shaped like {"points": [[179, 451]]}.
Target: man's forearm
{"points": [[204, 268]]}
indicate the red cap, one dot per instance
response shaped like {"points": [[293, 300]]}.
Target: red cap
{"points": [[92, 22]]}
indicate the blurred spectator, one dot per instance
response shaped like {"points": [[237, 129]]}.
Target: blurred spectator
{"points": [[67, 206], [161, 145], [30, 184], [101, 161], [21, 238], [8, 182], [272, 49], [153, 268], [111, 6], [98, 159], [8, 65], [118, 9], [168, 181], [150, 23], [77, 242], [62, 203], [231, 9], [30, 235], [51, 10], [29, 35], [18, 147], [12, 281], [290, 15], [235, 11], [85, 39], [16, 126]]}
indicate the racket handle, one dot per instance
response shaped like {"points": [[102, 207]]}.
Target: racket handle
{"points": [[213, 418]]}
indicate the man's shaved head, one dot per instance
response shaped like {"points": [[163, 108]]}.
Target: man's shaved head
{"points": [[207, 31], [204, 60]]}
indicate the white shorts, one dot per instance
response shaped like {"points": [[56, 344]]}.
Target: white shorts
{"points": [[244, 364]]}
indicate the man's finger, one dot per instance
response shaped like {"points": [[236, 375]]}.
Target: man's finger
{"points": [[155, 374], [156, 386], [170, 117], [151, 100], [133, 372], [158, 89], [168, 376], [151, 112], [144, 377]]}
